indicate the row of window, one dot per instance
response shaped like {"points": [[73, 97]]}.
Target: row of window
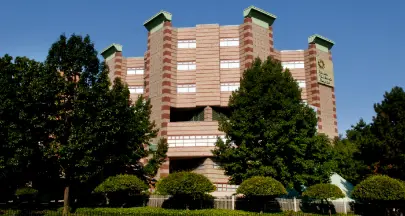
{"points": [[293, 65], [189, 44], [186, 66], [133, 71], [191, 88]]}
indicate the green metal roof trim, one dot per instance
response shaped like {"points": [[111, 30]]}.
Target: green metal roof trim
{"points": [[253, 11], [319, 39], [111, 49], [157, 19]]}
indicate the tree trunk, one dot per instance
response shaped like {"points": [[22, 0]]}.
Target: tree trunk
{"points": [[66, 200]]}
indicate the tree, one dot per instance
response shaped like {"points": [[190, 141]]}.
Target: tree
{"points": [[27, 110], [382, 192], [324, 192], [271, 132], [346, 157], [96, 125], [121, 187], [381, 143]]}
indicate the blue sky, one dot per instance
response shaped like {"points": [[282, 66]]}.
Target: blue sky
{"points": [[369, 34]]}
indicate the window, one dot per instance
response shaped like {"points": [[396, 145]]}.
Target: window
{"points": [[183, 66], [301, 83], [184, 44], [132, 71], [229, 42], [184, 141], [229, 64], [186, 88], [293, 65], [135, 89], [229, 87]]}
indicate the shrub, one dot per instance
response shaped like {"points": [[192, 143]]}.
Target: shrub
{"points": [[26, 194], [26, 191], [122, 183], [261, 186], [121, 189], [185, 184], [379, 188], [323, 192]]}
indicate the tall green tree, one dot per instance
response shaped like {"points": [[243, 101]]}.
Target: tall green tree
{"points": [[27, 109], [382, 142], [271, 132], [97, 125]]}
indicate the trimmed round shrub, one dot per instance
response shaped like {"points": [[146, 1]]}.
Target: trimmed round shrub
{"points": [[26, 191], [123, 190], [185, 184], [122, 183], [379, 188], [261, 186], [323, 192]]}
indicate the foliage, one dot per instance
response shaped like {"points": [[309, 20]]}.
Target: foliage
{"points": [[346, 157], [26, 191], [161, 211], [122, 183], [27, 105], [279, 139], [261, 186], [185, 184], [97, 126], [158, 158], [379, 188], [323, 192]]}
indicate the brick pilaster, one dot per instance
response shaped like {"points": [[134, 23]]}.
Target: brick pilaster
{"points": [[147, 69], [312, 81], [246, 44], [271, 41]]}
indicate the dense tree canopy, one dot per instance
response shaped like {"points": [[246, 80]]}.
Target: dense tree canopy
{"points": [[28, 91], [271, 132], [377, 147]]}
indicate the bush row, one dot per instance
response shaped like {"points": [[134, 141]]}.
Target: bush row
{"points": [[149, 211]]}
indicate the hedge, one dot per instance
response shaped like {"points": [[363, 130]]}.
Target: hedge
{"points": [[122, 183], [185, 184], [151, 211], [379, 188], [323, 192], [261, 186]]}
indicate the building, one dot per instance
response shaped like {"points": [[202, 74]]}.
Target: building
{"points": [[189, 74]]}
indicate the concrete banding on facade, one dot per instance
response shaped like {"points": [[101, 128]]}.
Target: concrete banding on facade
{"points": [[189, 74]]}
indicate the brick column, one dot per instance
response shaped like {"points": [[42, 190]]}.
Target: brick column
{"points": [[271, 41], [166, 77], [158, 75], [208, 113], [246, 44], [147, 69], [312, 81], [114, 60], [320, 83]]}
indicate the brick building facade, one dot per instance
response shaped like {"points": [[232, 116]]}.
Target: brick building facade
{"points": [[189, 74]]}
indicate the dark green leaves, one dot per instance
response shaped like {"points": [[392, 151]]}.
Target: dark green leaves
{"points": [[323, 192], [271, 132], [261, 186]]}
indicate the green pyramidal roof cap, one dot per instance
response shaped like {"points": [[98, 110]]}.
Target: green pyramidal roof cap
{"points": [[111, 49], [261, 14], [157, 18], [321, 40]]}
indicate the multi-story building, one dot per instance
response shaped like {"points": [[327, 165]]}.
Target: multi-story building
{"points": [[189, 74]]}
